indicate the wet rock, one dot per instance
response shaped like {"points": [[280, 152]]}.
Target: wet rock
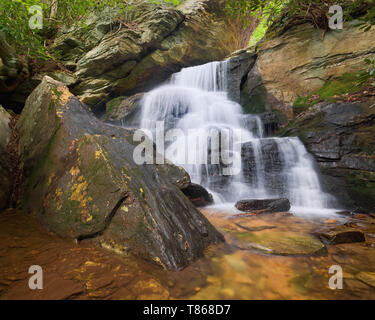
{"points": [[341, 138], [268, 205], [272, 162], [270, 122], [198, 195], [82, 182], [343, 235], [238, 68], [5, 181]]}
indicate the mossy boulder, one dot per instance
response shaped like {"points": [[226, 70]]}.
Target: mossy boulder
{"points": [[5, 181], [81, 182]]}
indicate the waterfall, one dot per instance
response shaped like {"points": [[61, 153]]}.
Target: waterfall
{"points": [[196, 103]]}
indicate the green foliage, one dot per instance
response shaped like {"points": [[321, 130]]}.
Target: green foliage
{"points": [[368, 20], [15, 16], [284, 12], [259, 32]]}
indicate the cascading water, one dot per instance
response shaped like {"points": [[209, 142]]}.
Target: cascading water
{"points": [[196, 103]]}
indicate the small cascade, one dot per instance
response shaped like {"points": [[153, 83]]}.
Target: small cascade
{"points": [[196, 103]]}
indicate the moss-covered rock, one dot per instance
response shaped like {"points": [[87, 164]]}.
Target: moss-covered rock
{"points": [[82, 182]]}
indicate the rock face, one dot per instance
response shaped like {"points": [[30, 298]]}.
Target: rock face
{"points": [[341, 137], [120, 54], [239, 67], [300, 61], [269, 205], [198, 195], [82, 182], [5, 181], [297, 63]]}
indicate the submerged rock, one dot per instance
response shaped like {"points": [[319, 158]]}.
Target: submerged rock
{"points": [[82, 182], [5, 181], [280, 243], [198, 195], [269, 205], [367, 277]]}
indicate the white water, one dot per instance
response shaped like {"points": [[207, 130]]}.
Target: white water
{"points": [[196, 103]]}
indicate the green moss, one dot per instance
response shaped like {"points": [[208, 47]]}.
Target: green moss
{"points": [[112, 106], [361, 186], [333, 90]]}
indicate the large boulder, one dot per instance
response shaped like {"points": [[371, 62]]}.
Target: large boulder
{"points": [[5, 181], [82, 182], [341, 137]]}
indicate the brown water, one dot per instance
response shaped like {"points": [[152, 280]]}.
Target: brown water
{"points": [[83, 271]]}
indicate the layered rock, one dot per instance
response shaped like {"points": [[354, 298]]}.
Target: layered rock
{"points": [[5, 181], [341, 137], [82, 182], [120, 54], [298, 63]]}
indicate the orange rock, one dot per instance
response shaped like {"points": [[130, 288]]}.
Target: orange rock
{"points": [[330, 221]]}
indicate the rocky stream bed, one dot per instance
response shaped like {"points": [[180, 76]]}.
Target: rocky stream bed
{"points": [[267, 256]]}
